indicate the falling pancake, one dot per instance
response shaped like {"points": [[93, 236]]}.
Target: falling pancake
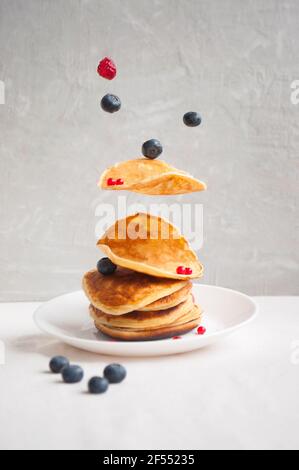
{"points": [[144, 320], [151, 245], [170, 300], [156, 333], [125, 290], [152, 177]]}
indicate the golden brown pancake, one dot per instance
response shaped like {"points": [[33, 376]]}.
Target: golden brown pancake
{"points": [[153, 177], [151, 245], [144, 320], [170, 300], [152, 334], [125, 290]]}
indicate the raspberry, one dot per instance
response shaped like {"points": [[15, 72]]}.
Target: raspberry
{"points": [[183, 270], [180, 270], [113, 182], [201, 330], [107, 68]]}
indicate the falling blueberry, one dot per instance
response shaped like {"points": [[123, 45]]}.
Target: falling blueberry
{"points": [[152, 148], [115, 373], [106, 267], [57, 363], [192, 119], [72, 374], [110, 103], [98, 385]]}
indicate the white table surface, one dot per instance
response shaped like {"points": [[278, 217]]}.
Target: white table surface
{"points": [[238, 394]]}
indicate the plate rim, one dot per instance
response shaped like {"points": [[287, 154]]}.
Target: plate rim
{"points": [[113, 344]]}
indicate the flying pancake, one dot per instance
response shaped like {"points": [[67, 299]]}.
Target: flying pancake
{"points": [[152, 177], [125, 290], [150, 245]]}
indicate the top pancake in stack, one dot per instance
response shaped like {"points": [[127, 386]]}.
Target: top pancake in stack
{"points": [[150, 245], [145, 298]]}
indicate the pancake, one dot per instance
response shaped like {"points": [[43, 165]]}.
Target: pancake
{"points": [[144, 320], [125, 290], [151, 245], [170, 300], [153, 334], [152, 177]]}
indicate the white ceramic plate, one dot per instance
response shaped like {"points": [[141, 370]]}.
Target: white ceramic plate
{"points": [[67, 318]]}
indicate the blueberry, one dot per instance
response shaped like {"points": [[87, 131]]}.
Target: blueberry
{"points": [[192, 119], [110, 103], [106, 267], [57, 363], [98, 385], [115, 373], [152, 148], [72, 374]]}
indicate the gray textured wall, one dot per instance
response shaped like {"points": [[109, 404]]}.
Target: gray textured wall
{"points": [[232, 60]]}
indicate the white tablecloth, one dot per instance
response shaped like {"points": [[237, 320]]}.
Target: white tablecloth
{"points": [[240, 393]]}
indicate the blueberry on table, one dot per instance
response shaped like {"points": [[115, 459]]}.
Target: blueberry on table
{"points": [[192, 119], [106, 267], [115, 373], [152, 148], [98, 385], [57, 363], [72, 374], [110, 103]]}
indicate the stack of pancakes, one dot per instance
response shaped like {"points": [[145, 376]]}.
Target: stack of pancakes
{"points": [[147, 296]]}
